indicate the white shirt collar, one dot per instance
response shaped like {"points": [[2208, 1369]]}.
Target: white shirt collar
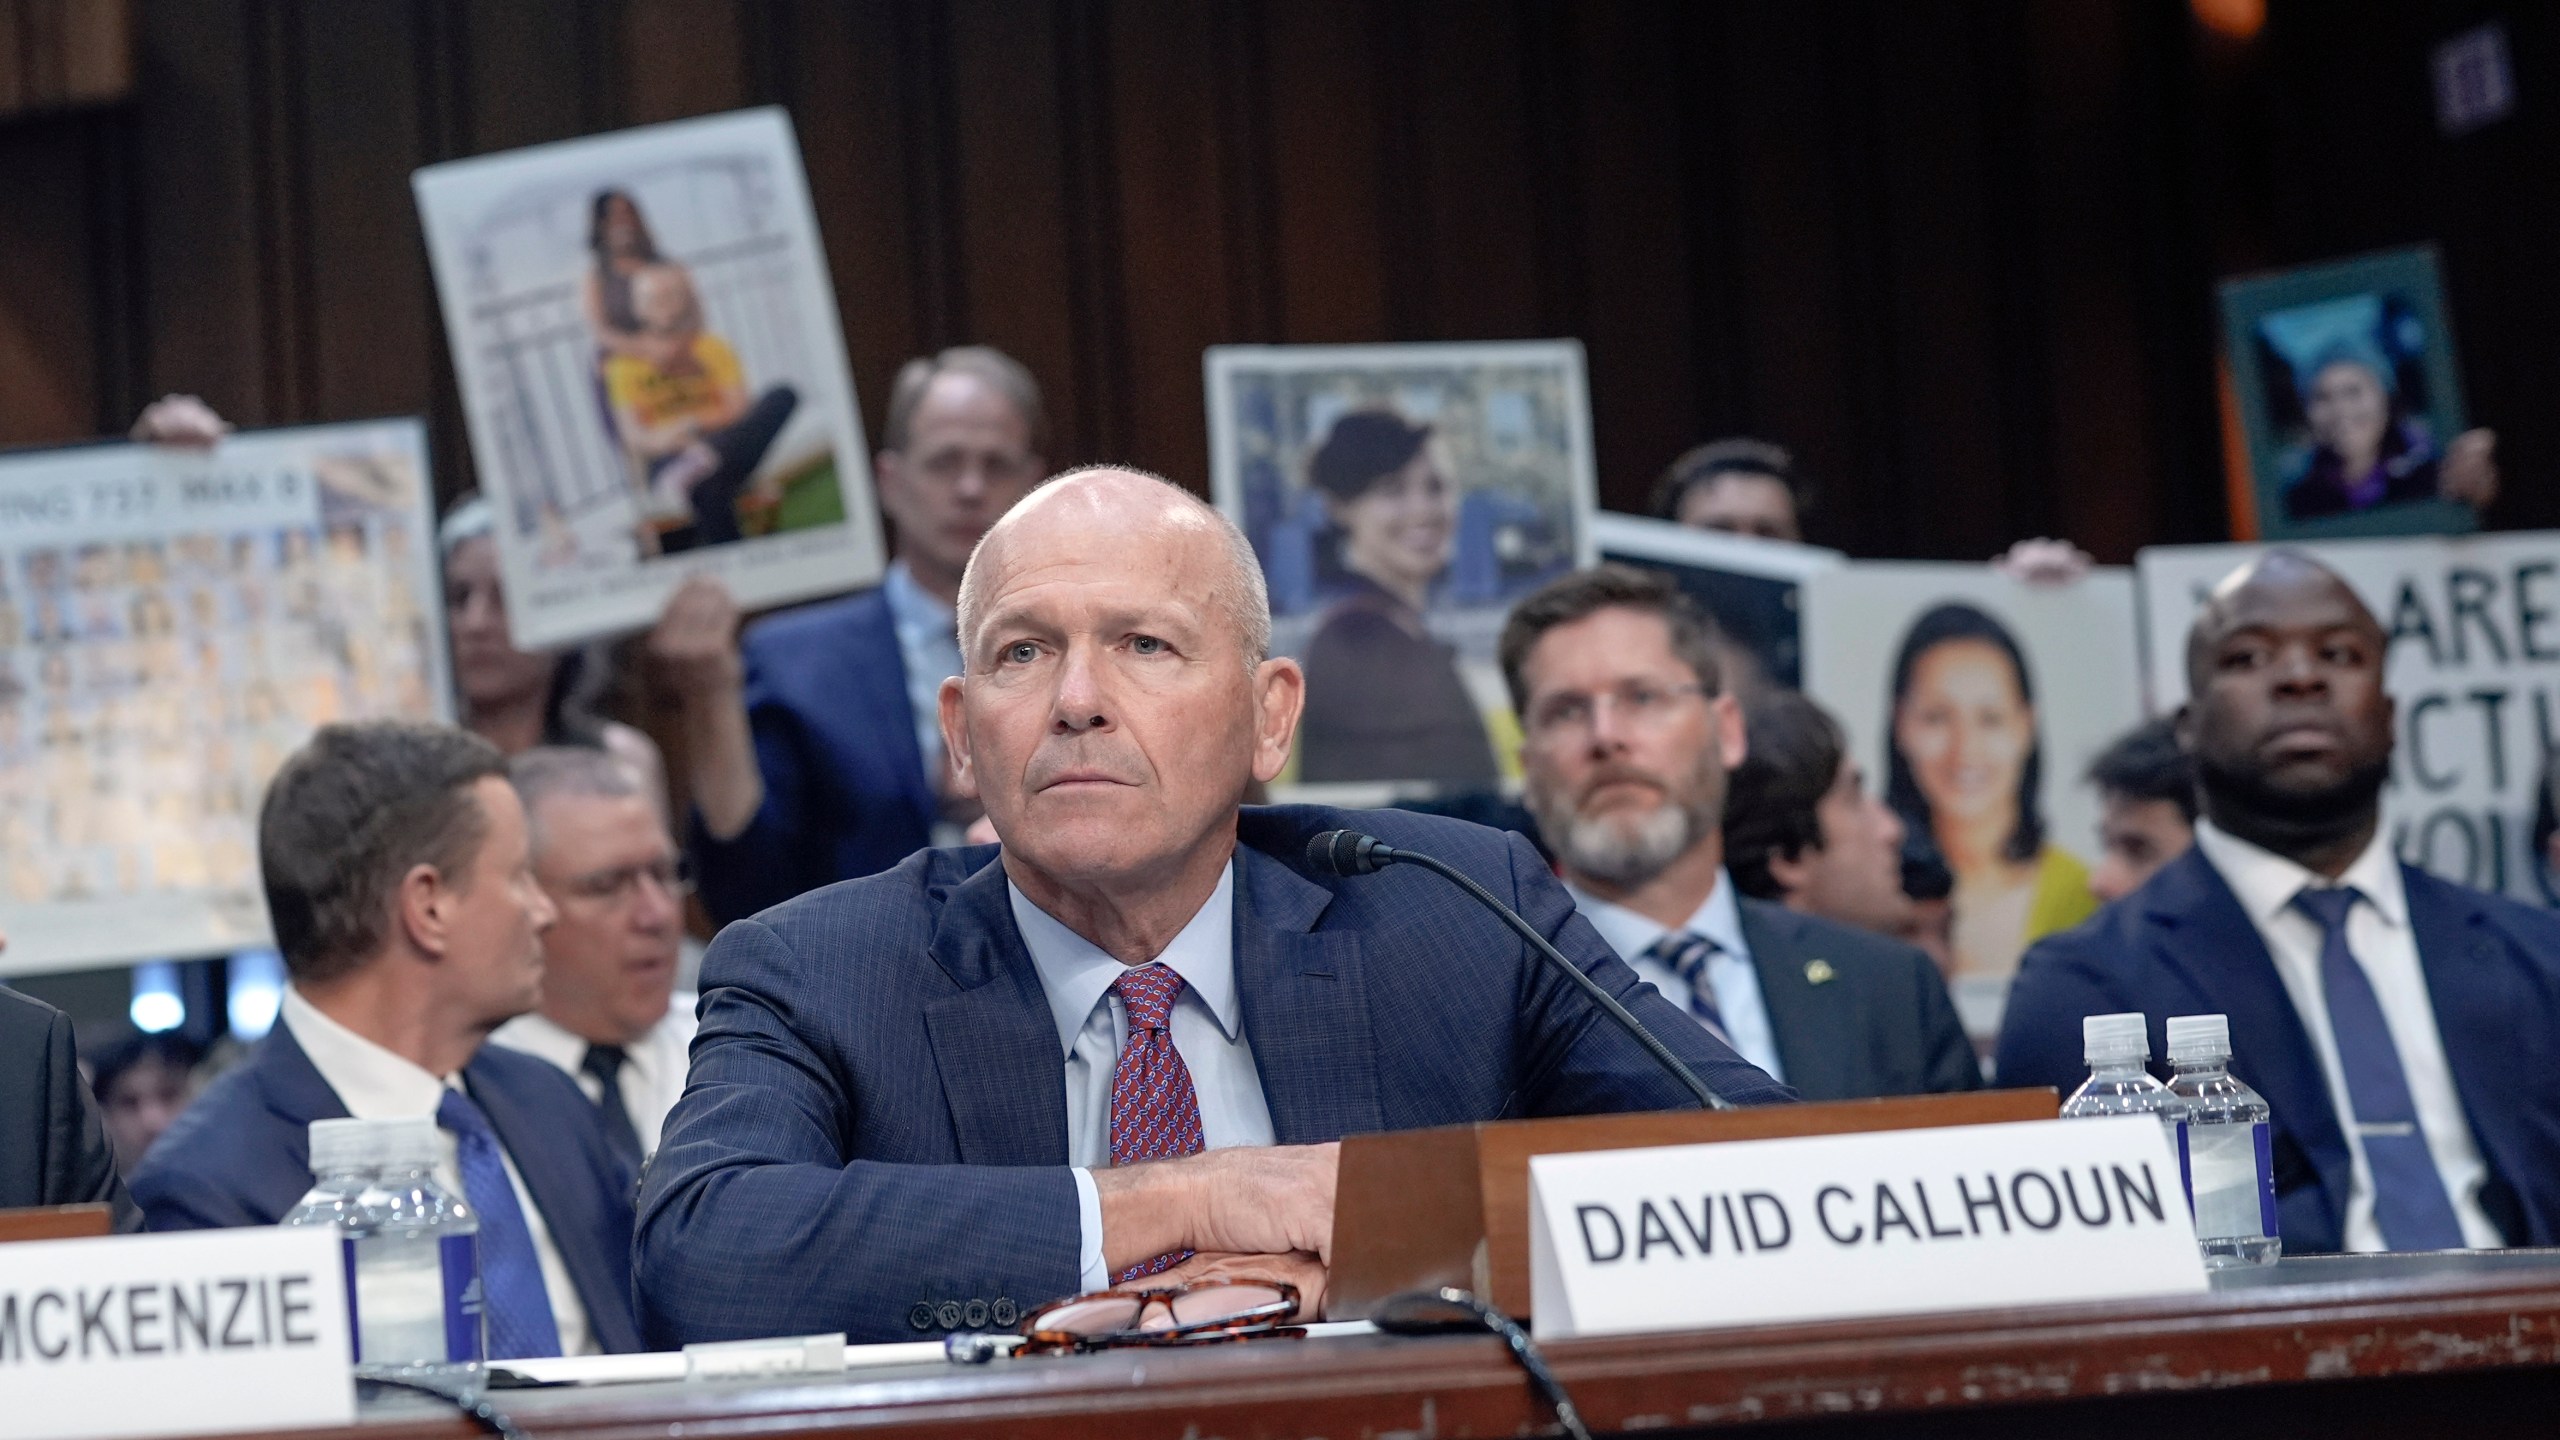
{"points": [[1076, 973], [910, 605], [1631, 934], [2265, 882], [372, 1082], [538, 1034]]}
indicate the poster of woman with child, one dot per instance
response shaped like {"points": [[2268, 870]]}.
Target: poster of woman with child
{"points": [[650, 363]]}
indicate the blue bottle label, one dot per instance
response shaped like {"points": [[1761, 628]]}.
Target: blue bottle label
{"points": [[355, 1324], [461, 1255], [2266, 1178]]}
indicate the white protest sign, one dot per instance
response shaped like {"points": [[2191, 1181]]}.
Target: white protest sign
{"points": [[213, 1332], [2474, 664], [1832, 1227]]}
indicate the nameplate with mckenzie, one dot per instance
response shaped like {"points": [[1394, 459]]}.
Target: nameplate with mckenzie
{"points": [[217, 1331], [1834, 1227]]}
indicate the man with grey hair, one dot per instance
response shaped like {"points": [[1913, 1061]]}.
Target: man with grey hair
{"points": [[813, 749], [611, 1017], [1122, 1043]]}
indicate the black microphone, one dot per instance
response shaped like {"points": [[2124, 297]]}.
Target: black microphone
{"points": [[1348, 852]]}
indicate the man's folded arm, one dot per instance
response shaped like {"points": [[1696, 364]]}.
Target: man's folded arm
{"points": [[751, 1222], [1576, 1059]]}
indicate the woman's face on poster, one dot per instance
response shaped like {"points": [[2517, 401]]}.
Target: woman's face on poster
{"points": [[2348, 408], [1966, 729], [1401, 529], [622, 227]]}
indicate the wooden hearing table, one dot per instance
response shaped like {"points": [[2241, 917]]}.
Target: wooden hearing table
{"points": [[2464, 1345]]}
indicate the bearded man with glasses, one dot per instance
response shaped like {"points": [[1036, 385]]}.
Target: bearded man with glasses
{"points": [[610, 1017], [1628, 742]]}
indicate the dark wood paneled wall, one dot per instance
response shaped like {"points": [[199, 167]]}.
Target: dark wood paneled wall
{"points": [[1957, 252]]}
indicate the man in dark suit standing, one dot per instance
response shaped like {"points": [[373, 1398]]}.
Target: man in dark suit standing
{"points": [[929, 1099], [53, 1146], [400, 884], [814, 749], [1627, 738], [2405, 1030]]}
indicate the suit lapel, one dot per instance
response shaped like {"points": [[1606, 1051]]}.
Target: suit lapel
{"points": [[1306, 1006], [2199, 932], [1804, 1019], [890, 725], [2473, 993], [994, 1041]]}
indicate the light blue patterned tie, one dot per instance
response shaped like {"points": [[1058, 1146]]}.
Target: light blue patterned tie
{"points": [[1685, 953], [518, 1308], [2410, 1206]]}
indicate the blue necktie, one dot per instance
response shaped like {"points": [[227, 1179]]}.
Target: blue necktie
{"points": [[1685, 953], [2409, 1201], [511, 1293]]}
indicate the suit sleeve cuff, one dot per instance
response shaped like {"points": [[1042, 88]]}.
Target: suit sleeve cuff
{"points": [[1097, 1276]]}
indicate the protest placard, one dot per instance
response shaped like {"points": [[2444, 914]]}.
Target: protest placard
{"points": [[650, 363], [1401, 497], [173, 623]]}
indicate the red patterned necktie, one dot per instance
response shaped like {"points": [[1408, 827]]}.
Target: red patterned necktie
{"points": [[1155, 1113]]}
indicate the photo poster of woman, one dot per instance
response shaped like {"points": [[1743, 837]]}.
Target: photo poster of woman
{"points": [[173, 624], [650, 363], [2350, 394], [1400, 498], [1975, 702], [1753, 589]]}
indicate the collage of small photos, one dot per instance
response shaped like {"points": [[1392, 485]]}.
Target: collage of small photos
{"points": [[149, 687]]}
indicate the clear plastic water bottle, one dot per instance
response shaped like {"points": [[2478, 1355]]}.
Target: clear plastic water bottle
{"points": [[2119, 1049], [2224, 1154], [344, 1164], [418, 1263]]}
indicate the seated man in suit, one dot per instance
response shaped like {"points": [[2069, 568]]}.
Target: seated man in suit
{"points": [[2405, 1030], [1121, 1046], [53, 1146], [1801, 828], [398, 881], [1627, 738], [611, 1018], [815, 753]]}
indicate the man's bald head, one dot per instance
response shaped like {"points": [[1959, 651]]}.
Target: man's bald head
{"points": [[1075, 507], [2275, 580]]}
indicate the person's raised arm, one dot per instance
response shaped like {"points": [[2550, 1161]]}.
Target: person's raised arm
{"points": [[695, 647], [2470, 470]]}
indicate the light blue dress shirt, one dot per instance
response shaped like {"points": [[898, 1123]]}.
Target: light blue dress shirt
{"points": [[1208, 1032], [929, 646], [1729, 970]]}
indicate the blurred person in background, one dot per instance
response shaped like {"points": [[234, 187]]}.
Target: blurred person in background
{"points": [[2147, 807], [610, 1017], [1384, 697], [143, 1081], [1737, 485], [815, 751], [1800, 828]]}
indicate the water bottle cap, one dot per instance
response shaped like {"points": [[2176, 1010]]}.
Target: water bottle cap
{"points": [[2115, 1037], [339, 1147], [414, 1144], [2199, 1037]]}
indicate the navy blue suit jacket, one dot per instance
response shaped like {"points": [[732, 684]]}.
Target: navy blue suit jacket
{"points": [[1873, 1019], [241, 1155], [845, 789], [2181, 945], [874, 1137]]}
